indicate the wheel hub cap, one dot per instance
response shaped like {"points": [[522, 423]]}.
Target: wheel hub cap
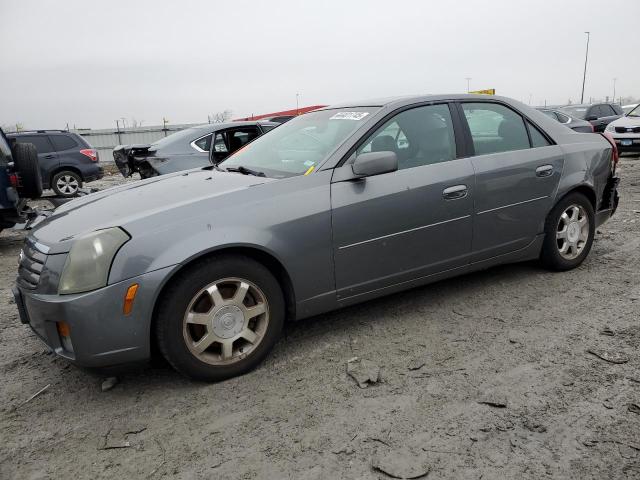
{"points": [[228, 321], [573, 232]]}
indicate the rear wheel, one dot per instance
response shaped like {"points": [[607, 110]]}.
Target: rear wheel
{"points": [[220, 318], [66, 183], [569, 232], [28, 169]]}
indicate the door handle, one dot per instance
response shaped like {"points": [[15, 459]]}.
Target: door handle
{"points": [[49, 156], [544, 170], [455, 192]]}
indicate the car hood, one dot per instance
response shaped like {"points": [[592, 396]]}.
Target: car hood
{"points": [[626, 122], [122, 205]]}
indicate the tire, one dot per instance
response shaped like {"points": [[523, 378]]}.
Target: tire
{"points": [[27, 167], [218, 319], [576, 240], [66, 183]]}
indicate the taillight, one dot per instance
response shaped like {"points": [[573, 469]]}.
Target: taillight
{"points": [[615, 156], [13, 179], [91, 153]]}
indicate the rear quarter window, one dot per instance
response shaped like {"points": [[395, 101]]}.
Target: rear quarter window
{"points": [[63, 142]]}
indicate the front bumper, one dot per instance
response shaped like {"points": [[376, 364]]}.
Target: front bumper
{"points": [[101, 335], [627, 144]]}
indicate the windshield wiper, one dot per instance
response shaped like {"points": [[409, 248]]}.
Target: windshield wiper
{"points": [[245, 171]]}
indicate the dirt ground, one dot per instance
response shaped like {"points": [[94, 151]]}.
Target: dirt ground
{"points": [[516, 337]]}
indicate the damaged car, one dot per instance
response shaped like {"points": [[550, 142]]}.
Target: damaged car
{"points": [[338, 206], [189, 148]]}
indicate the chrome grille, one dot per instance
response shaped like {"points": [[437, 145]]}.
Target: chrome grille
{"points": [[30, 267]]}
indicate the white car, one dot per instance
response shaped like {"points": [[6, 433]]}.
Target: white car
{"points": [[627, 108], [626, 131]]}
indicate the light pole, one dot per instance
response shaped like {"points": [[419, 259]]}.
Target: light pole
{"points": [[614, 90], [468, 79], [584, 77]]}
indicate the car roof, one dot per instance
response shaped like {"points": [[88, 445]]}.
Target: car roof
{"points": [[35, 132], [399, 101]]}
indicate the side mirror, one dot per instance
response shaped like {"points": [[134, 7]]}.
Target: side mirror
{"points": [[591, 118], [374, 163]]}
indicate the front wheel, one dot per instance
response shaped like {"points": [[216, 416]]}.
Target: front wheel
{"points": [[220, 318], [569, 232]]}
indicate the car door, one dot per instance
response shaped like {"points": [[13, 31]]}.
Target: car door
{"points": [[47, 157], [517, 172], [408, 224]]}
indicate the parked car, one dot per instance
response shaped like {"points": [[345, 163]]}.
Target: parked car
{"points": [[626, 131], [598, 114], [335, 207], [66, 160], [19, 181], [567, 120], [189, 148]]}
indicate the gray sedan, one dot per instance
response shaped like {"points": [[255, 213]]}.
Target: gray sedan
{"points": [[189, 148], [335, 207], [574, 123]]}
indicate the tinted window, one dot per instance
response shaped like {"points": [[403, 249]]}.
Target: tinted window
{"points": [[578, 112], [239, 138], [40, 141], [204, 143], [63, 142], [537, 139], [607, 111], [495, 128], [420, 136]]}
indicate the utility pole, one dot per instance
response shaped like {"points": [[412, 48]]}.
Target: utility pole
{"points": [[614, 90], [468, 79], [584, 77], [164, 125], [118, 131]]}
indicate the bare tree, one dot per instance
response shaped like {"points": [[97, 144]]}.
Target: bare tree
{"points": [[220, 117], [12, 127]]}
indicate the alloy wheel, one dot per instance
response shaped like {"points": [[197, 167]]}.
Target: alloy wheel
{"points": [[226, 321], [67, 184], [572, 232]]}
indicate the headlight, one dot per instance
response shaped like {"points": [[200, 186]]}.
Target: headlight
{"points": [[89, 261], [611, 128]]}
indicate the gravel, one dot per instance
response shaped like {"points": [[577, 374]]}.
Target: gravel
{"points": [[518, 332]]}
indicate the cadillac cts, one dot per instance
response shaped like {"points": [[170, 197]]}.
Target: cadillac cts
{"points": [[335, 207]]}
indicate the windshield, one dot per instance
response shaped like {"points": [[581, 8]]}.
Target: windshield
{"points": [[635, 112], [300, 145], [578, 112]]}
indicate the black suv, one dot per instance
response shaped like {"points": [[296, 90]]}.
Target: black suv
{"points": [[66, 159], [598, 114], [19, 180]]}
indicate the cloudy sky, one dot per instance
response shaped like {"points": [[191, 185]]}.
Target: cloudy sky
{"points": [[88, 63]]}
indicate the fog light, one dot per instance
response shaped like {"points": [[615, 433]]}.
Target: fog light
{"points": [[65, 335], [129, 298]]}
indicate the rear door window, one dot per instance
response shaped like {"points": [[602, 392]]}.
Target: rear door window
{"points": [[607, 111], [42, 143], [495, 128], [537, 139], [63, 142]]}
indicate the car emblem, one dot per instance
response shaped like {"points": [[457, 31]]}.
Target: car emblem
{"points": [[629, 129]]}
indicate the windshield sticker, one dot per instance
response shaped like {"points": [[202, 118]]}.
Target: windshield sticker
{"points": [[349, 116], [309, 163], [310, 169]]}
